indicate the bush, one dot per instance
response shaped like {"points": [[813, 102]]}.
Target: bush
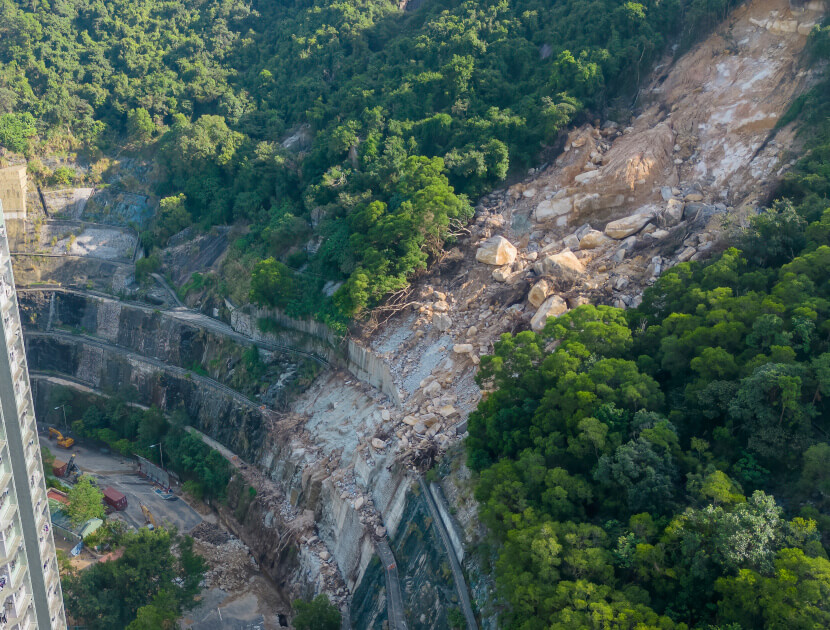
{"points": [[145, 266], [318, 614]]}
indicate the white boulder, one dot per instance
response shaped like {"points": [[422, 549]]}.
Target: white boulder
{"points": [[563, 265], [674, 212], [496, 251], [552, 208], [539, 293], [592, 240], [442, 321], [552, 307], [622, 228]]}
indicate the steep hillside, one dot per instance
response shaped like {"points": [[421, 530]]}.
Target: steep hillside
{"points": [[337, 503]]}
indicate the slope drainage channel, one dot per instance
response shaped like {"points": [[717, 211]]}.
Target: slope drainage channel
{"points": [[394, 600], [457, 573]]}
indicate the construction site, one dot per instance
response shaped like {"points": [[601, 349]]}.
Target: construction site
{"points": [[238, 595]]}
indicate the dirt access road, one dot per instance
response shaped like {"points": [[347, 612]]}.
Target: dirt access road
{"points": [[110, 469]]}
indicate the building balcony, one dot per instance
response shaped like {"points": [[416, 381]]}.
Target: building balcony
{"points": [[31, 461], [23, 396], [43, 523], [56, 612], [47, 550], [9, 547], [39, 498], [51, 576], [7, 512], [17, 608], [13, 576], [29, 429]]}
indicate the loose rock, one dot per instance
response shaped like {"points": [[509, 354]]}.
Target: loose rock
{"points": [[592, 240], [552, 307], [442, 321], [539, 293], [562, 265], [627, 226], [496, 251]]}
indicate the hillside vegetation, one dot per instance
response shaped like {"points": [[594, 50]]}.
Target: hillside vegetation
{"points": [[669, 466], [409, 114]]}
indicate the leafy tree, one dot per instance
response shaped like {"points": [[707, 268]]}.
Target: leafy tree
{"points": [[318, 614], [795, 596], [769, 406], [139, 124], [16, 130], [815, 473], [85, 501], [161, 614], [147, 585]]}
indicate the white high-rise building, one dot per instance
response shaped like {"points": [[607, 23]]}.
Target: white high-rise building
{"points": [[30, 586]]}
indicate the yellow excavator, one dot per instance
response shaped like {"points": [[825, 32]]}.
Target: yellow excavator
{"points": [[64, 442], [148, 516]]}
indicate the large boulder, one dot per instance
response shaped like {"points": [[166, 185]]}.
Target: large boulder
{"points": [[703, 211], [539, 293], [622, 228], [442, 321], [562, 265], [552, 208], [674, 212], [496, 251], [592, 240], [552, 307]]}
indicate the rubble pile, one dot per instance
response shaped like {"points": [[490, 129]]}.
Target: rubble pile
{"points": [[230, 560], [622, 203]]}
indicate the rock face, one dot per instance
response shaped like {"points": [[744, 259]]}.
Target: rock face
{"points": [[496, 251], [622, 228], [539, 293], [553, 208], [552, 307], [562, 265]]}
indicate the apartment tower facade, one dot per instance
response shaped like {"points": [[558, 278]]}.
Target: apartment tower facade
{"points": [[30, 588]]}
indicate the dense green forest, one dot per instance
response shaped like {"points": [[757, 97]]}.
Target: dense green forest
{"points": [[408, 114], [669, 466], [131, 430], [146, 588]]}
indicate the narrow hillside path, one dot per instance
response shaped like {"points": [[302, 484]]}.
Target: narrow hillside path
{"points": [[139, 358], [189, 316]]}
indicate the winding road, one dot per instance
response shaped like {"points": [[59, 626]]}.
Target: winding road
{"points": [[139, 358], [189, 316]]}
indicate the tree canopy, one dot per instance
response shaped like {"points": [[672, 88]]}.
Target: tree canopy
{"points": [[347, 134], [628, 462], [85, 501], [145, 588]]}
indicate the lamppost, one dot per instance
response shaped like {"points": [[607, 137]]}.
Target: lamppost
{"points": [[161, 453], [65, 423]]}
